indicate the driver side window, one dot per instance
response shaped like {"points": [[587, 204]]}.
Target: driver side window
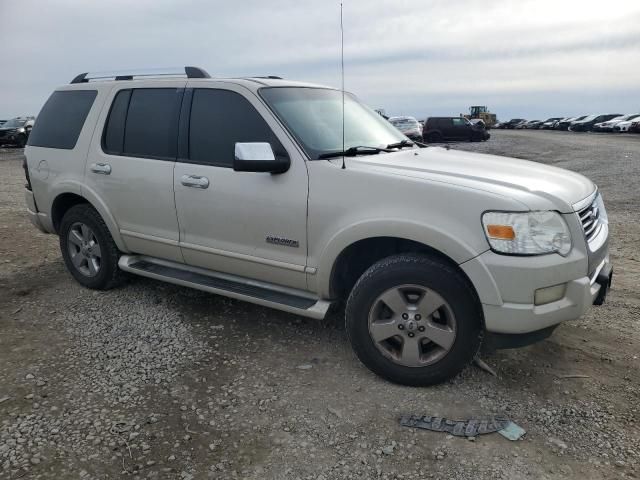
{"points": [[219, 119]]}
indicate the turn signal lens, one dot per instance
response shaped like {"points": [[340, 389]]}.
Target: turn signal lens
{"points": [[502, 232]]}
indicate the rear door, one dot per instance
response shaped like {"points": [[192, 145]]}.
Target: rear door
{"points": [[248, 224], [445, 126], [131, 162]]}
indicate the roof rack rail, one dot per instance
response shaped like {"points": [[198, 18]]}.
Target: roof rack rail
{"points": [[272, 77], [190, 72]]}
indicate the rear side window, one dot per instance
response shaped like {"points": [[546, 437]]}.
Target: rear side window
{"points": [[219, 119], [113, 139], [61, 119], [144, 123]]}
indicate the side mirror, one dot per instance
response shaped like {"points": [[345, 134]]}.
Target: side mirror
{"points": [[258, 157]]}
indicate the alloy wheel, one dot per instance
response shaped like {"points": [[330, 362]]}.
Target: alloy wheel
{"points": [[84, 249], [412, 325]]}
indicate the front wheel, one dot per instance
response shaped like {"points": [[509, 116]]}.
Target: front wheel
{"points": [[414, 320]]}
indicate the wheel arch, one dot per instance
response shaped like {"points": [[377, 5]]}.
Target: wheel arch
{"points": [[64, 201], [355, 257]]}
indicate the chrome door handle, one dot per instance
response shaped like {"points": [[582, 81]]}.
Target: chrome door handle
{"points": [[194, 181], [101, 168]]}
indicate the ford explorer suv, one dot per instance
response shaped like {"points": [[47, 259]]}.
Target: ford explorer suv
{"points": [[254, 188]]}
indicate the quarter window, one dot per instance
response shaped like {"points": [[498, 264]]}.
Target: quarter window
{"points": [[219, 119], [113, 139], [61, 119]]}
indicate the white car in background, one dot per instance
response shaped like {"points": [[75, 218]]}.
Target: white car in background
{"points": [[408, 126], [609, 125], [624, 126]]}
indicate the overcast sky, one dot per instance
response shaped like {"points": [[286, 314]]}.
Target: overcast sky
{"points": [[533, 59]]}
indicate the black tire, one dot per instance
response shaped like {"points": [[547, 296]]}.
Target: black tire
{"points": [[435, 275], [21, 141], [108, 275]]}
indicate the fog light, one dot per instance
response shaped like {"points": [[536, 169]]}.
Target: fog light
{"points": [[549, 294]]}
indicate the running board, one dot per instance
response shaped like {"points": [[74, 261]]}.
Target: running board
{"points": [[261, 293]]}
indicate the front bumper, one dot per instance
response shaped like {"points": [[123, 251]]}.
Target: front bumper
{"points": [[517, 318], [9, 138], [507, 285], [416, 136]]}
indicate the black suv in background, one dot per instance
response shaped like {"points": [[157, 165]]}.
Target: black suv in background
{"points": [[439, 129], [16, 131]]}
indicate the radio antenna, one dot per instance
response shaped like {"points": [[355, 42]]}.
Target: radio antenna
{"points": [[342, 78]]}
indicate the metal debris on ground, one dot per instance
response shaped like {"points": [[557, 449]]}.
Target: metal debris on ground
{"points": [[512, 431], [482, 365], [460, 428]]}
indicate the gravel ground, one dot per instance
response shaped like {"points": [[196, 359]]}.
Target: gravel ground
{"points": [[157, 381]]}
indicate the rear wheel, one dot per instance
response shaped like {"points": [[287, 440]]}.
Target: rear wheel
{"points": [[413, 320], [88, 250]]}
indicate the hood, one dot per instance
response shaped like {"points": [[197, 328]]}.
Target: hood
{"points": [[536, 185]]}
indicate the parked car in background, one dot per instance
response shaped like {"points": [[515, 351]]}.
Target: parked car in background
{"points": [[566, 122], [408, 126], [438, 129], [2, 122], [513, 122], [622, 127], [609, 124], [532, 124], [549, 123], [16, 131], [586, 124]]}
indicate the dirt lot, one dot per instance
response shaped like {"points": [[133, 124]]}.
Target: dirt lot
{"points": [[157, 381]]}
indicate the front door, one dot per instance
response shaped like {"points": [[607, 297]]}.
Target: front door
{"points": [[460, 129], [248, 224]]}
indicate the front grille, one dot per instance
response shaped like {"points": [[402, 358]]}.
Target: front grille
{"points": [[590, 220]]}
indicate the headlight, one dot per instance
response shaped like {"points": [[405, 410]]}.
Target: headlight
{"points": [[530, 233]]}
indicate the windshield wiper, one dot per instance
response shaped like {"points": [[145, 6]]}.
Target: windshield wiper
{"points": [[353, 151], [401, 144]]}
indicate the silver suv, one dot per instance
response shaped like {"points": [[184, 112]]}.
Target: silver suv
{"points": [[250, 188]]}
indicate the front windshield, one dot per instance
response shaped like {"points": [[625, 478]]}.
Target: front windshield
{"points": [[314, 117], [14, 123]]}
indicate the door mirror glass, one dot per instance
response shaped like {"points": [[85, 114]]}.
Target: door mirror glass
{"points": [[258, 157]]}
